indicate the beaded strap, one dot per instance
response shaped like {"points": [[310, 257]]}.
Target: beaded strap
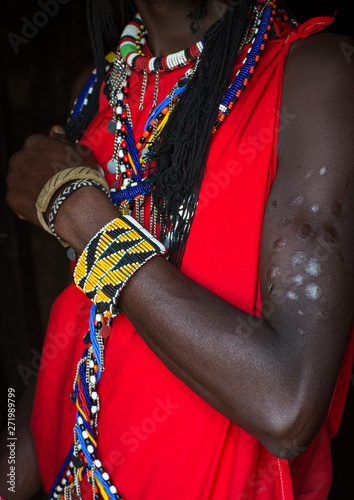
{"points": [[66, 193], [111, 258]]}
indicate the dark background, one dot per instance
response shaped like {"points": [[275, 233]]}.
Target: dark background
{"points": [[37, 75]]}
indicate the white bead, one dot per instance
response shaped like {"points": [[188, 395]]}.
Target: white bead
{"points": [[119, 110], [84, 434], [120, 154], [105, 476], [55, 495], [94, 395], [120, 96], [113, 489], [119, 125], [98, 317], [92, 364], [90, 449], [80, 421], [98, 463], [93, 379], [93, 409]]}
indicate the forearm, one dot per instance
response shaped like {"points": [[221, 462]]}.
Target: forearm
{"points": [[204, 340], [239, 365]]}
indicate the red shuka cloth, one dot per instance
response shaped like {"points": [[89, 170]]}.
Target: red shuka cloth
{"points": [[157, 439]]}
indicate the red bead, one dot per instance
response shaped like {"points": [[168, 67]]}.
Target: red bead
{"points": [[124, 144], [123, 128], [106, 331], [125, 90], [125, 159], [81, 454], [70, 477], [124, 114], [125, 100], [129, 172]]}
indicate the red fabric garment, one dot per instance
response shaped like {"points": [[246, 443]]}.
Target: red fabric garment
{"points": [[157, 439]]}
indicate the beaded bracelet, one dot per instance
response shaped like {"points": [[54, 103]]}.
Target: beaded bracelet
{"points": [[58, 180], [65, 194], [111, 258]]}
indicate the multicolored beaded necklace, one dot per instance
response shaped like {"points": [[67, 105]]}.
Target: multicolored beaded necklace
{"points": [[132, 181], [129, 158]]}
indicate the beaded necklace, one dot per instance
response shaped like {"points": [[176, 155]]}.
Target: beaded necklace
{"points": [[129, 159], [132, 181]]}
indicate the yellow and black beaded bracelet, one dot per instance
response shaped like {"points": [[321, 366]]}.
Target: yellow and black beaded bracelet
{"points": [[111, 258]]}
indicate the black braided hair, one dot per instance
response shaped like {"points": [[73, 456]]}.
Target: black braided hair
{"points": [[180, 153], [106, 19]]}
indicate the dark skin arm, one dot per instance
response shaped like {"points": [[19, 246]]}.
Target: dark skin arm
{"points": [[275, 380]]}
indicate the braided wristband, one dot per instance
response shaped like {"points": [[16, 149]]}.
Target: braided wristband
{"points": [[58, 180], [64, 195], [111, 258]]}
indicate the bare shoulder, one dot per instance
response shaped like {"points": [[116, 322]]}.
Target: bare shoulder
{"points": [[322, 53], [319, 66], [318, 88]]}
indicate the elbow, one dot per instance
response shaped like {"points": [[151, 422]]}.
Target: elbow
{"points": [[285, 450], [290, 433]]}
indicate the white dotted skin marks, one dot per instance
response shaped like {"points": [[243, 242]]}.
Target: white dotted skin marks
{"points": [[292, 295], [313, 291], [299, 258], [313, 267]]}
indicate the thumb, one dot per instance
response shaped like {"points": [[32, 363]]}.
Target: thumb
{"points": [[57, 132]]}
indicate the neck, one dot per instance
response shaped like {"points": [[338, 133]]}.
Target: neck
{"points": [[168, 24]]}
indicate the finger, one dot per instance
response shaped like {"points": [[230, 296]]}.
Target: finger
{"points": [[57, 132]]}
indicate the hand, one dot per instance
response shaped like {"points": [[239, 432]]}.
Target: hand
{"points": [[40, 158]]}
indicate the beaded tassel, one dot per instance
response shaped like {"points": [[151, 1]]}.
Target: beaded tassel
{"points": [[82, 460]]}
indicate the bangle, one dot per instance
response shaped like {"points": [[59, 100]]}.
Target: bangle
{"points": [[64, 195], [111, 258], [58, 180]]}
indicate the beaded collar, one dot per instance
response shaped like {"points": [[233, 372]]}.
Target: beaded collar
{"points": [[131, 51]]}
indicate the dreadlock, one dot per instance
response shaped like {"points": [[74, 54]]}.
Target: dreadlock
{"points": [[180, 153]]}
